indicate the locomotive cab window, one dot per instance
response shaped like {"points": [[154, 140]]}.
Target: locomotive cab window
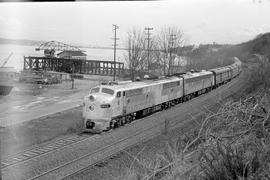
{"points": [[95, 90], [118, 94], [107, 91]]}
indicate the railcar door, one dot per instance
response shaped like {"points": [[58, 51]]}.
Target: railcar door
{"points": [[124, 110], [119, 103]]}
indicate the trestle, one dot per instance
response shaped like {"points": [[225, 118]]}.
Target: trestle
{"points": [[94, 67]]}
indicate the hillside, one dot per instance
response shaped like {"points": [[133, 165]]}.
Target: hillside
{"points": [[259, 45], [206, 56], [214, 55]]}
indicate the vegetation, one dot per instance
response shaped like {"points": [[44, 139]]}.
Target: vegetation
{"points": [[206, 56], [158, 60], [163, 54]]}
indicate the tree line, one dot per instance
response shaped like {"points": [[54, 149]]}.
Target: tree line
{"points": [[153, 55]]}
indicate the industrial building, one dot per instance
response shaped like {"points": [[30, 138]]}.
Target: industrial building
{"points": [[72, 55]]}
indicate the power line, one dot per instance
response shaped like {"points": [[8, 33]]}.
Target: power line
{"points": [[148, 29], [123, 48], [115, 27]]}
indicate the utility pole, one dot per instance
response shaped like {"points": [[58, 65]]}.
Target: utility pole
{"points": [[115, 27], [148, 29], [171, 45]]}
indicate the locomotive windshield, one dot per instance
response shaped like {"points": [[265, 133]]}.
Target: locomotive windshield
{"points": [[95, 90], [107, 91]]}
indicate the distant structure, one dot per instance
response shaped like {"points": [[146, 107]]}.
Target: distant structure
{"points": [[72, 55], [70, 59], [51, 47], [179, 64]]}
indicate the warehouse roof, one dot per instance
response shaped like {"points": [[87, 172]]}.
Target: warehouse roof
{"points": [[73, 53]]}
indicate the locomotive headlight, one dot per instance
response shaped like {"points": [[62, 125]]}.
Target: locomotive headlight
{"points": [[91, 98], [91, 108], [105, 105], [89, 124]]}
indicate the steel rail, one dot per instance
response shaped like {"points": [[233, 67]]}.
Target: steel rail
{"points": [[15, 159], [101, 150]]}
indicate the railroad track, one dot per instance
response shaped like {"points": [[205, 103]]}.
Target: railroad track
{"points": [[75, 165], [38, 151], [67, 170], [112, 142]]}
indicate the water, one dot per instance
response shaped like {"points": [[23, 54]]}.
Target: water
{"points": [[19, 51]]}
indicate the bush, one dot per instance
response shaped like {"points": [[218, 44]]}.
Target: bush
{"points": [[261, 73]]}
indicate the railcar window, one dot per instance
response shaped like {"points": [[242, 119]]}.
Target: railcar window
{"points": [[134, 92], [198, 78], [118, 94], [95, 90], [171, 84], [107, 91]]}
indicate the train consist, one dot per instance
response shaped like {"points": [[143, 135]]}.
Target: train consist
{"points": [[115, 104]]}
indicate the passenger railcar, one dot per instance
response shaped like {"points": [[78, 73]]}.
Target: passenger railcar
{"points": [[221, 75]]}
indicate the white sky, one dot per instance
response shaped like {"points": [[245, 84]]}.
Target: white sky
{"points": [[203, 21]]}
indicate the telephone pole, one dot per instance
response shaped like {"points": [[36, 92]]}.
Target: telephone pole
{"points": [[115, 27], [171, 45], [148, 29]]}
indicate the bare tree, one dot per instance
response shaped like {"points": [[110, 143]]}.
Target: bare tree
{"points": [[157, 57], [136, 56], [161, 50], [168, 40]]}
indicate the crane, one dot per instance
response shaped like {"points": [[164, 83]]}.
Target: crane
{"points": [[51, 46], [6, 60]]}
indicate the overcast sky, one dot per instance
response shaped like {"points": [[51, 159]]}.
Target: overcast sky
{"points": [[202, 21]]}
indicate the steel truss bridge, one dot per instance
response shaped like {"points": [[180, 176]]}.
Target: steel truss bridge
{"points": [[93, 67]]}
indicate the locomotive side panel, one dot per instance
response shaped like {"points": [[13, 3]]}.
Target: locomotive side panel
{"points": [[157, 90], [138, 99], [195, 84], [172, 90], [118, 104]]}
